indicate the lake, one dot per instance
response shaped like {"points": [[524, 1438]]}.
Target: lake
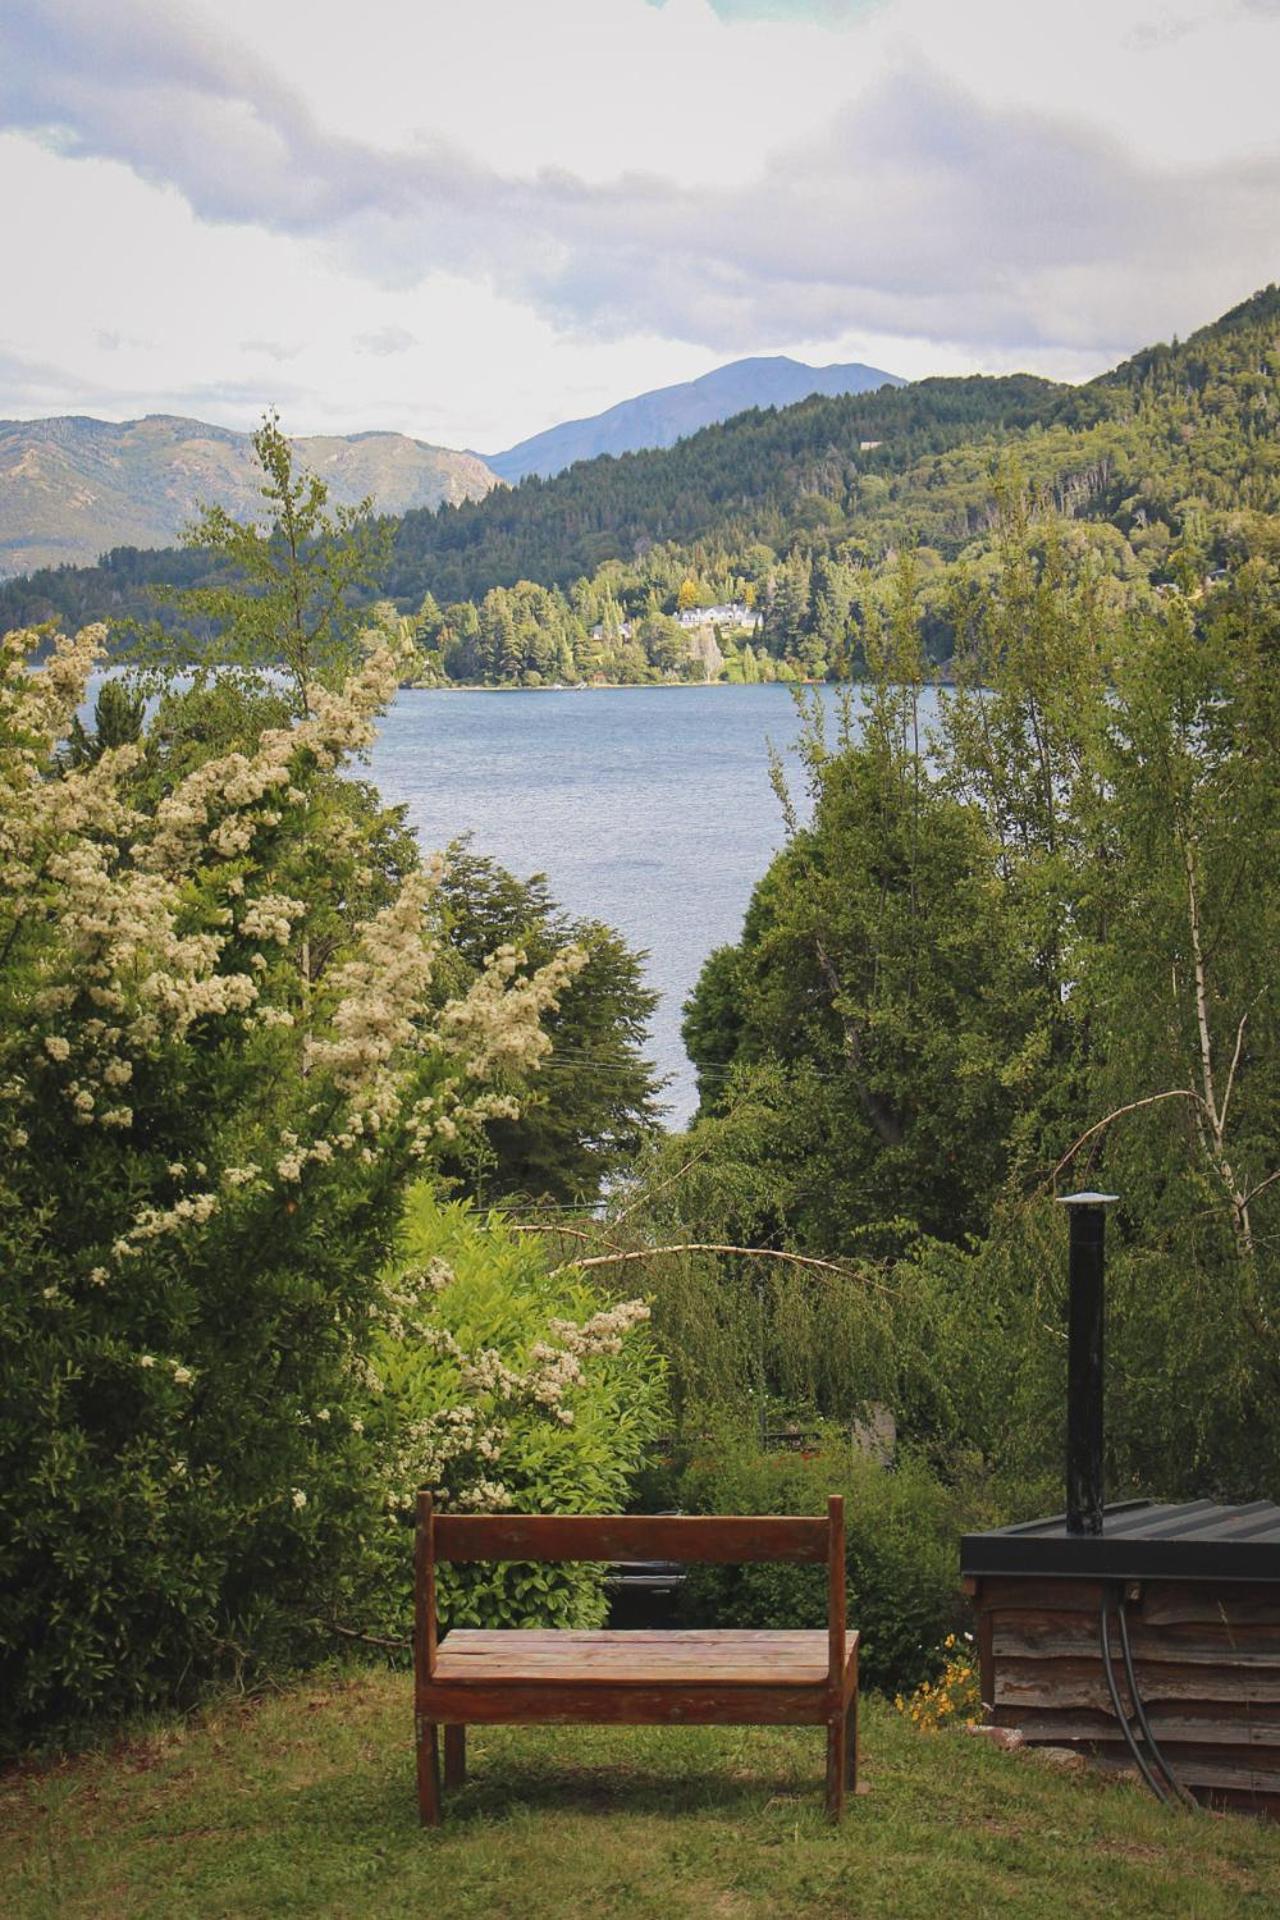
{"points": [[646, 807]]}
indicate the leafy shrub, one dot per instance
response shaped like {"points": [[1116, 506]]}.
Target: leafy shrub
{"points": [[220, 1063], [900, 1531], [506, 1385], [955, 1694]]}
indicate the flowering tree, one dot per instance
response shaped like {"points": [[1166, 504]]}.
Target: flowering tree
{"points": [[214, 1083]]}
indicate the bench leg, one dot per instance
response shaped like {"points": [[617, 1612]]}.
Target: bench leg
{"points": [[837, 1762], [428, 1773], [851, 1745], [455, 1756]]}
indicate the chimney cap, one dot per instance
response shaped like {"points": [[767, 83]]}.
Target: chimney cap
{"points": [[1086, 1199]]}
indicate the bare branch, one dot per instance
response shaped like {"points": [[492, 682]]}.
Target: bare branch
{"points": [[1253, 1192], [1201, 992], [1235, 1062], [356, 1633], [714, 1246], [1173, 1093]]}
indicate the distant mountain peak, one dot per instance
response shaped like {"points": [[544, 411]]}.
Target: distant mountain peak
{"points": [[668, 414], [73, 487]]}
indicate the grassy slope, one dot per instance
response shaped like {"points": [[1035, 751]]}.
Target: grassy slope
{"points": [[304, 1804]]}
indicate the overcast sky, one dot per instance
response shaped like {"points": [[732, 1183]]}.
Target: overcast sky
{"points": [[470, 219]]}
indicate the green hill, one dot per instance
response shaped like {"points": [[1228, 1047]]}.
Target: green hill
{"points": [[745, 478]]}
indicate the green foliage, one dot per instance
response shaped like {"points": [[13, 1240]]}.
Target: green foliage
{"points": [[856, 973], [594, 1102], [470, 1413], [900, 1529], [221, 1060], [283, 596], [237, 1016], [1035, 950], [287, 604], [117, 722], [743, 1329], [751, 481]]}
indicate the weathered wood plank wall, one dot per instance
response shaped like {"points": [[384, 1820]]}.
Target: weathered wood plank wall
{"points": [[1207, 1663]]}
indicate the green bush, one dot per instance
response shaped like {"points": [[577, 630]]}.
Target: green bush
{"points": [[222, 1059], [518, 1388], [901, 1539]]}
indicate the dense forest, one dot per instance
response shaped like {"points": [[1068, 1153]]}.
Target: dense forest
{"points": [[788, 523]]}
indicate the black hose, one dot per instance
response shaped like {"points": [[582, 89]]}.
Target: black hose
{"points": [[1139, 1708], [1104, 1641]]}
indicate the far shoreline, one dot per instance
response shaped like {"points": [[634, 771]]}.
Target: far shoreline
{"points": [[616, 686], [646, 686]]}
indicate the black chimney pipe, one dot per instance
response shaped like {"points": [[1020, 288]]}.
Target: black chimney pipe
{"points": [[1087, 1263]]}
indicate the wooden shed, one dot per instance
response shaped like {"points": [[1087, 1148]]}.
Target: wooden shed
{"points": [[1181, 1602]]}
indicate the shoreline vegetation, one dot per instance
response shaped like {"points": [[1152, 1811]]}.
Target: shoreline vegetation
{"points": [[614, 686]]}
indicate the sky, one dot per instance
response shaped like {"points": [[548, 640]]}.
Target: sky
{"points": [[468, 220]]}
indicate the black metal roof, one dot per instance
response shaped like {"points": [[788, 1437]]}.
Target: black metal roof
{"points": [[1140, 1539]]}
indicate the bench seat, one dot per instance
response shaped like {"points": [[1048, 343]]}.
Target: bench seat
{"points": [[740, 1658]]}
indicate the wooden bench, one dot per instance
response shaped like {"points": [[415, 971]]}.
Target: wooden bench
{"points": [[711, 1678]]}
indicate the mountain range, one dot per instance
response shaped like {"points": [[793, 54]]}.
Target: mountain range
{"points": [[72, 487], [1159, 473], [775, 545], [668, 414]]}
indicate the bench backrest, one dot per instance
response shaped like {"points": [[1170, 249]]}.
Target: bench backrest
{"points": [[731, 1540]]}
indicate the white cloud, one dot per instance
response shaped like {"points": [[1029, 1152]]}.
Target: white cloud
{"points": [[501, 208], [272, 349], [384, 341], [29, 386], [112, 342]]}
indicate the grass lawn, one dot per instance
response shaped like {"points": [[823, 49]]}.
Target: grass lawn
{"points": [[303, 1803]]}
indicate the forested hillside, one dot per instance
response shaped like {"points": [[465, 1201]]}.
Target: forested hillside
{"points": [[744, 480], [757, 548]]}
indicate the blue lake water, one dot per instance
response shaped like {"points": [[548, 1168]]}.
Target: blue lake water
{"points": [[649, 808], [646, 807]]}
